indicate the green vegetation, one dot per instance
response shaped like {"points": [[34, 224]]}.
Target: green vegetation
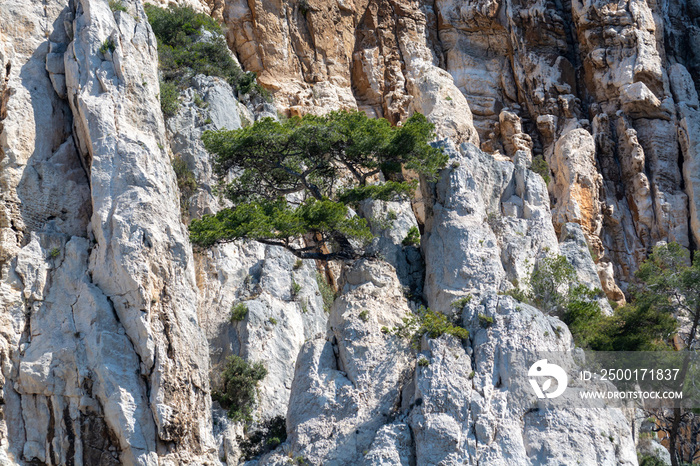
{"points": [[412, 237], [238, 312], [273, 321], [308, 156], [297, 265], [107, 46], [429, 323], [423, 361], [383, 192], [183, 54], [265, 438], [55, 252], [237, 394], [364, 315], [461, 302], [186, 183], [117, 5], [645, 460], [326, 291], [668, 288], [485, 321], [555, 289], [541, 167], [296, 288], [169, 98], [199, 102]]}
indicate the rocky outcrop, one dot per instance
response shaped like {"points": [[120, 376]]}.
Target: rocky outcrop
{"points": [[348, 384], [485, 203], [378, 56], [361, 396], [539, 79], [145, 267], [489, 236], [112, 331], [104, 361]]}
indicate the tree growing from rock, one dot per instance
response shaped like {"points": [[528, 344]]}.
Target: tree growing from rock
{"points": [[669, 284], [291, 183]]}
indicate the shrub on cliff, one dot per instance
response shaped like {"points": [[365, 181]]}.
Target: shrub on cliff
{"points": [[237, 394], [639, 326], [191, 43], [296, 179], [428, 323]]}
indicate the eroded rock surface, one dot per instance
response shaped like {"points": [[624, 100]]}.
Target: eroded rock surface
{"points": [[112, 331]]}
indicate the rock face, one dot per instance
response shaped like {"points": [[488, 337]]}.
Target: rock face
{"points": [[359, 390], [378, 56], [587, 86], [114, 332], [348, 384], [500, 226], [104, 360]]}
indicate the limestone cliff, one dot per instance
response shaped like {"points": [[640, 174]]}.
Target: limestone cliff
{"points": [[599, 89], [113, 331]]}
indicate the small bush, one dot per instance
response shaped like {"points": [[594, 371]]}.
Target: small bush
{"points": [[427, 322], [461, 302], [199, 102], [364, 315], [186, 183], [169, 98], [485, 321], [326, 291], [238, 312], [55, 252], [117, 5], [265, 438], [175, 24], [273, 321], [237, 395], [541, 167], [646, 460], [412, 237], [423, 362], [296, 288], [107, 45]]}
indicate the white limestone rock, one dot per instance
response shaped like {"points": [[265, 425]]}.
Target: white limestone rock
{"points": [[488, 224], [142, 258], [348, 384]]}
